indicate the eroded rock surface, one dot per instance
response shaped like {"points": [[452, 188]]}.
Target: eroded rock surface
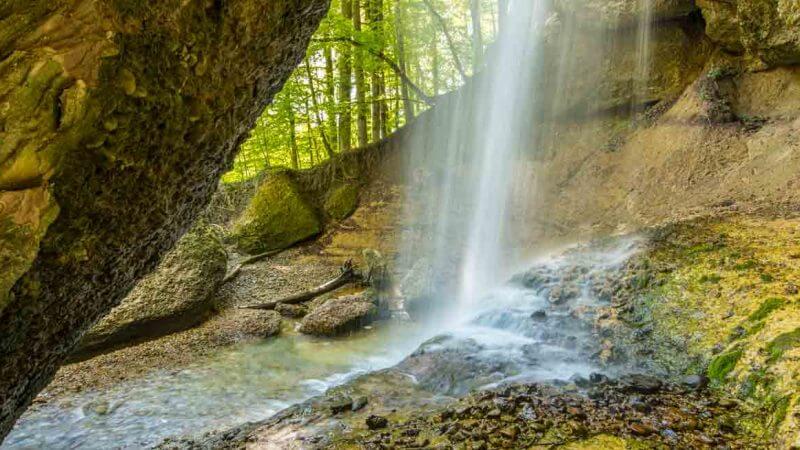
{"points": [[126, 113], [766, 30], [178, 295]]}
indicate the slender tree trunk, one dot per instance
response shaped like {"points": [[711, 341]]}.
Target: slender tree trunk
{"points": [[400, 50], [330, 99], [293, 139], [313, 91], [477, 34], [361, 85], [375, 13], [309, 132], [436, 74], [449, 37], [345, 86]]}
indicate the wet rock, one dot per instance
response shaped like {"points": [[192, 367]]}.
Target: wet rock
{"points": [[375, 422], [695, 381], [359, 403], [562, 294], [539, 316], [598, 378], [339, 316], [254, 323], [339, 404], [641, 384]]}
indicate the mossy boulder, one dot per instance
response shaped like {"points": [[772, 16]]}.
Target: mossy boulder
{"points": [[341, 201], [766, 30], [178, 295], [339, 315], [277, 217]]}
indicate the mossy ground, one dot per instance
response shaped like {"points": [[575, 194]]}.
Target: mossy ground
{"points": [[725, 293]]}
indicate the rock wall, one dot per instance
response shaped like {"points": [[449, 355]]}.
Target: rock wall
{"points": [[117, 118]]}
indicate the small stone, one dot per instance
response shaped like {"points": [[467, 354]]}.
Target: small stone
{"points": [[493, 414], [340, 404], [510, 432], [792, 289], [695, 381], [375, 422], [598, 378], [359, 403], [642, 384], [640, 429], [539, 315]]}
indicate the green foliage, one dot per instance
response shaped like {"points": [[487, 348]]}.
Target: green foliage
{"points": [[302, 124]]}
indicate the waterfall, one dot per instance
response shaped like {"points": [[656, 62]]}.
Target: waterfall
{"points": [[473, 163]]}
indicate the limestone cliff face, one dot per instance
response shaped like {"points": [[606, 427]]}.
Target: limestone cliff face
{"points": [[117, 118], [768, 31]]}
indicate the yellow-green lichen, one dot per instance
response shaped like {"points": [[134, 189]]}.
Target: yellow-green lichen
{"points": [[723, 364]]}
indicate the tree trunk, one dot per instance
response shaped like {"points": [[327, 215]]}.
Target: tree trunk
{"points": [[400, 50], [361, 85], [477, 34], [436, 73], [330, 101], [375, 13], [325, 141], [345, 86], [293, 138]]}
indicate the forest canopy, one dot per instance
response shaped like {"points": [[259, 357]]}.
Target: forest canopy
{"points": [[372, 66]]}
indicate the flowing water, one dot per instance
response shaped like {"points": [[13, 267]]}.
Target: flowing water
{"points": [[473, 177]]}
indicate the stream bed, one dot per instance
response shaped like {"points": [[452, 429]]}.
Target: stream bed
{"points": [[523, 331]]}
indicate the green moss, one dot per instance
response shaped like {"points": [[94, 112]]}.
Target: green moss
{"points": [[723, 364], [341, 201], [780, 408], [747, 265], [710, 278], [766, 308], [782, 343], [277, 217]]}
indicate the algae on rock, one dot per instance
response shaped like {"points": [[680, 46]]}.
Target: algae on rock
{"points": [[277, 217]]}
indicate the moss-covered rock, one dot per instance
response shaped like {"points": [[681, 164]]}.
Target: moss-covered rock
{"points": [[341, 201], [765, 30], [277, 217], [339, 316], [178, 295], [724, 300]]}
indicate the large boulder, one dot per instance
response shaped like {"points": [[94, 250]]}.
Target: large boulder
{"points": [[277, 217], [123, 115], [178, 295], [767, 30], [339, 316]]}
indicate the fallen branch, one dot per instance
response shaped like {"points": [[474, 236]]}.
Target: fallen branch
{"points": [[347, 276], [253, 259]]}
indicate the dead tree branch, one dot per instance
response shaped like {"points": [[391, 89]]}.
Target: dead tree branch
{"points": [[348, 275]]}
